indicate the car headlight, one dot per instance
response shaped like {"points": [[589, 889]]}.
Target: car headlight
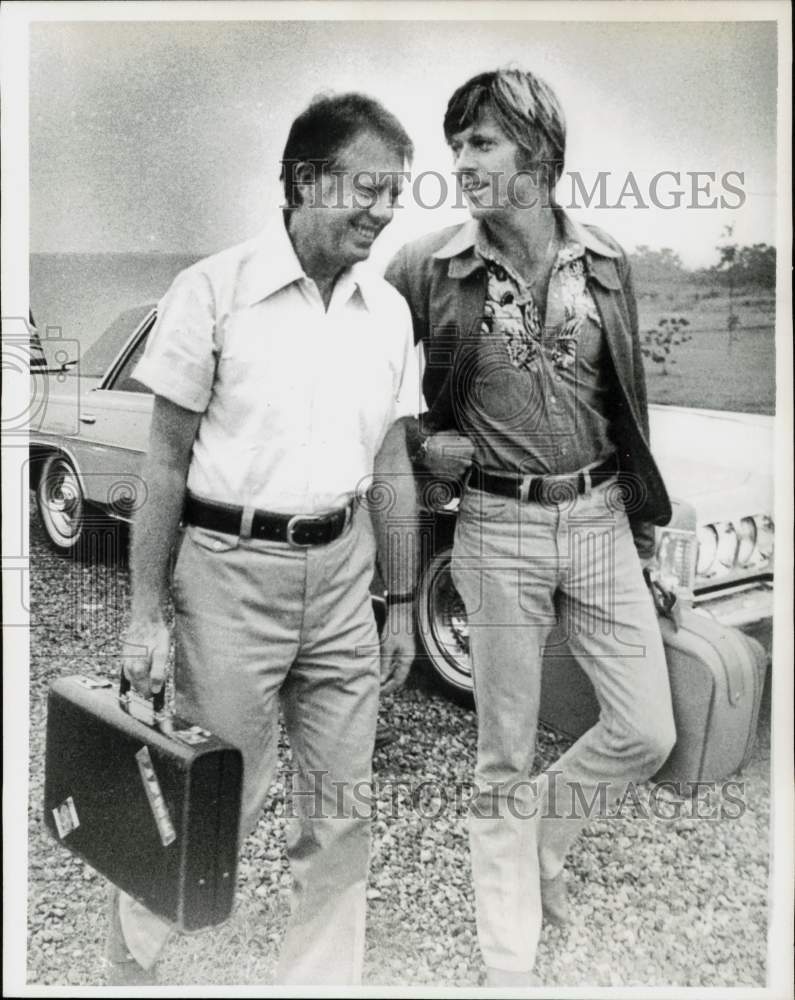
{"points": [[746, 541], [742, 545], [707, 549], [764, 535], [727, 544]]}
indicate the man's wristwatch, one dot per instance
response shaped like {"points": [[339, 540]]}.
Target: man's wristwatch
{"points": [[420, 453]]}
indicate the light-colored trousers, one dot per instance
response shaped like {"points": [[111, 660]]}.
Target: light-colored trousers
{"points": [[517, 567], [263, 623]]}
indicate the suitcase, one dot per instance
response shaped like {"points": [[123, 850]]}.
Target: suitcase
{"points": [[717, 675], [155, 812]]}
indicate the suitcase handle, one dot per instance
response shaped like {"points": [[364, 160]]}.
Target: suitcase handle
{"points": [[665, 601], [158, 699]]}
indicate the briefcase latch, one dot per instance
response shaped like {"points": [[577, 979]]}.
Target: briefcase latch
{"points": [[138, 707], [149, 711]]}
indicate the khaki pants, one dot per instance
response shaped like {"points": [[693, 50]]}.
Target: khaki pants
{"points": [[259, 624], [518, 566]]}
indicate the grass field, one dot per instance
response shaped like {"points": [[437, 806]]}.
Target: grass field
{"points": [[716, 369]]}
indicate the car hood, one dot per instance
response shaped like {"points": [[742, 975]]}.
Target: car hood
{"points": [[718, 493], [722, 463]]}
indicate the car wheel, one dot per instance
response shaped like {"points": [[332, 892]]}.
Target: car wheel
{"points": [[61, 504], [443, 630]]}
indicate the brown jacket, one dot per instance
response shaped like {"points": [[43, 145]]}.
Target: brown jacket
{"points": [[444, 282]]}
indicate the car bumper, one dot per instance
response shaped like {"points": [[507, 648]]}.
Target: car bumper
{"points": [[749, 608]]}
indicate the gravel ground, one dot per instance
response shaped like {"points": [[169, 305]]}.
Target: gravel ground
{"points": [[656, 901]]}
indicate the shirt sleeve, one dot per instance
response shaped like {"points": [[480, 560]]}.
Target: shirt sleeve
{"points": [[408, 391], [179, 359]]}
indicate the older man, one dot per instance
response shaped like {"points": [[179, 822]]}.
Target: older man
{"points": [[534, 376], [281, 368]]}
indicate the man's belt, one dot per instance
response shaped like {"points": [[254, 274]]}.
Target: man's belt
{"points": [[544, 489], [300, 530]]}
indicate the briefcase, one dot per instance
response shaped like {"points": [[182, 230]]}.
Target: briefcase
{"points": [[149, 800], [717, 675]]}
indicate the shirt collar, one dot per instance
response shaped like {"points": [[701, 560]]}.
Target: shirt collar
{"points": [[460, 249], [356, 279], [274, 264], [574, 233]]}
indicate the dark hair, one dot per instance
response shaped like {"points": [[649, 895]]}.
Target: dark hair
{"points": [[330, 123], [526, 109]]}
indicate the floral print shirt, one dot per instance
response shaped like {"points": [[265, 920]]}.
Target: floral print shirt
{"points": [[537, 390], [512, 313]]}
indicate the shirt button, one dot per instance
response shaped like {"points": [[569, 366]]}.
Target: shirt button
{"points": [[218, 545], [554, 399]]}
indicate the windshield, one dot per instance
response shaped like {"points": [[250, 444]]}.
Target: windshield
{"points": [[97, 359]]}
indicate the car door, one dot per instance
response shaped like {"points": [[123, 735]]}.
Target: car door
{"points": [[114, 421]]}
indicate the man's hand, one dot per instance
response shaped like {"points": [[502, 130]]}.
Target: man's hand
{"points": [[663, 594], [145, 648], [448, 453], [397, 648]]}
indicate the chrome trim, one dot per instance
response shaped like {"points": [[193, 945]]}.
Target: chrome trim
{"points": [[144, 328], [740, 607]]}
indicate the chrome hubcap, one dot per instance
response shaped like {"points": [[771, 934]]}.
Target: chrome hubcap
{"points": [[449, 625], [63, 500]]}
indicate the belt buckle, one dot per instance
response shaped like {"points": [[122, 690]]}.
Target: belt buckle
{"points": [[293, 523], [552, 490]]}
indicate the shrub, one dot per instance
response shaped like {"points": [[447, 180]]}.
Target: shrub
{"points": [[659, 343]]}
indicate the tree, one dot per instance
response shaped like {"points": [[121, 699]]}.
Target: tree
{"points": [[727, 261], [756, 265], [652, 266], [740, 266]]}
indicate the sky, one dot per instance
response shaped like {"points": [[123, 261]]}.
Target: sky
{"points": [[166, 136]]}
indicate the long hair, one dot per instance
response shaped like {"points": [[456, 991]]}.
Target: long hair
{"points": [[526, 109]]}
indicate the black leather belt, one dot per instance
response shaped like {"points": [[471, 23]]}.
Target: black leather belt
{"points": [[300, 530], [543, 489]]}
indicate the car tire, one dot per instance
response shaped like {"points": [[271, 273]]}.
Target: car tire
{"points": [[61, 505], [442, 632]]}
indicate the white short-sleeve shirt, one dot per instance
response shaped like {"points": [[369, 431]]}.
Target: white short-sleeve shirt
{"points": [[295, 399]]}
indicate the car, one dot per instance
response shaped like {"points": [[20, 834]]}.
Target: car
{"points": [[717, 553], [87, 448]]}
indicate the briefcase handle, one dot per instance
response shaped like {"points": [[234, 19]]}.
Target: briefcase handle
{"points": [[158, 700]]}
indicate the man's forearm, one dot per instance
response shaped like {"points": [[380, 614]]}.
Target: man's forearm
{"points": [[155, 529], [154, 534], [395, 513]]}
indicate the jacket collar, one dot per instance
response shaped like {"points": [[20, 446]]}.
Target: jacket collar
{"points": [[273, 265], [460, 249]]}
